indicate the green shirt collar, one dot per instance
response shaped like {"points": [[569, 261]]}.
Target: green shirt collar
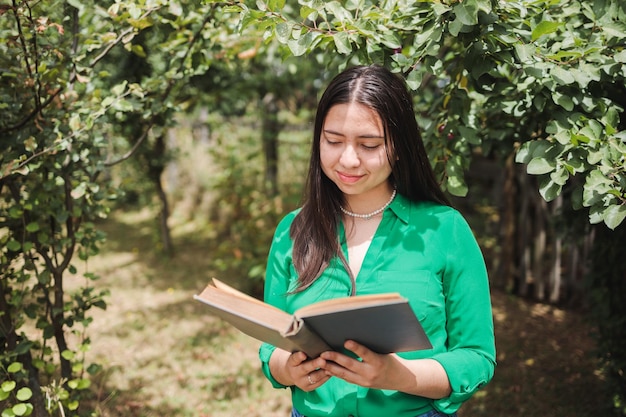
{"points": [[401, 207]]}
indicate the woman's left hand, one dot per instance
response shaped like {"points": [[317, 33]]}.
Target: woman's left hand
{"points": [[423, 377]]}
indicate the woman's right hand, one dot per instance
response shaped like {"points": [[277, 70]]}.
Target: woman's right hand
{"points": [[296, 369]]}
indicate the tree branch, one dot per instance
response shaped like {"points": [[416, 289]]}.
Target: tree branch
{"points": [[167, 91], [110, 46], [136, 146]]}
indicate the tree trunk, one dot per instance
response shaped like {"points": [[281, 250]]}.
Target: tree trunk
{"points": [[539, 248], [524, 225], [269, 138], [557, 258], [164, 214], [506, 268], [37, 399], [157, 166], [57, 318], [607, 303]]}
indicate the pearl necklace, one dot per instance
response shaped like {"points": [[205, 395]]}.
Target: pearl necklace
{"points": [[369, 216]]}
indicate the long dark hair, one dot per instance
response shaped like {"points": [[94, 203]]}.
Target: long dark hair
{"points": [[314, 229]]}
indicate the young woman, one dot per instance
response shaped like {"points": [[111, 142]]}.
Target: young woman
{"points": [[374, 220]]}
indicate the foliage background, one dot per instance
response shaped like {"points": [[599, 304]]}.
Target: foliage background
{"points": [[98, 98]]}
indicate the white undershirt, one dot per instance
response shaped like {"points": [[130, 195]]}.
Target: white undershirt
{"points": [[359, 235]]}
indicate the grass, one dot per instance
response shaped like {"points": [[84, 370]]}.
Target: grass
{"points": [[165, 356]]}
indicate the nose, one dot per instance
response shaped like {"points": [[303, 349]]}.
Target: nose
{"points": [[349, 157]]}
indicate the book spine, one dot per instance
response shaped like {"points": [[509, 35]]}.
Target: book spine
{"points": [[305, 339]]}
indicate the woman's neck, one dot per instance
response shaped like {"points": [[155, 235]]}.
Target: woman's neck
{"points": [[370, 201]]}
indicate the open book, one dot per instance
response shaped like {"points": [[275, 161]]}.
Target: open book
{"points": [[385, 323]]}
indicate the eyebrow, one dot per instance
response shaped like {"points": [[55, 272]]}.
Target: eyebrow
{"points": [[362, 136]]}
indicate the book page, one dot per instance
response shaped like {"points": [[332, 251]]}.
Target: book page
{"points": [[349, 303], [260, 320], [230, 290], [235, 302]]}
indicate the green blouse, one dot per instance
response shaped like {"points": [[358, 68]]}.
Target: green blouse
{"points": [[427, 253]]}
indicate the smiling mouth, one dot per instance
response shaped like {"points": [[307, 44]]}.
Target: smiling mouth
{"points": [[349, 178]]}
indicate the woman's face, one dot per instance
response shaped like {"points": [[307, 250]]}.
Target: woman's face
{"points": [[353, 152]]}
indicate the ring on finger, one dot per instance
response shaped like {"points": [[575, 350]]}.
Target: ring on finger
{"points": [[310, 379]]}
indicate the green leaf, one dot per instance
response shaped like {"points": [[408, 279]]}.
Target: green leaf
{"points": [[24, 394], [283, 32], [79, 384], [32, 227], [582, 77], [469, 135], [391, 40], [532, 149], [138, 50], [562, 100], [456, 186], [544, 28], [467, 12], [414, 79], [611, 120], [300, 46], [596, 179], [306, 11], [15, 367], [338, 11], [118, 90], [15, 212], [560, 176], [30, 144], [276, 4], [614, 30], [564, 137], [175, 8], [76, 4], [8, 386], [589, 134], [455, 27], [562, 76], [620, 56], [107, 101], [614, 215], [140, 24], [13, 245], [538, 166], [596, 214], [123, 105], [440, 8], [342, 43], [524, 52], [597, 185], [548, 189], [261, 5], [19, 409], [74, 122], [68, 354]]}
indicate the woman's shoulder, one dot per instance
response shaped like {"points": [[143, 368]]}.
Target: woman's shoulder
{"points": [[432, 207], [288, 218], [427, 207], [285, 223], [430, 213]]}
